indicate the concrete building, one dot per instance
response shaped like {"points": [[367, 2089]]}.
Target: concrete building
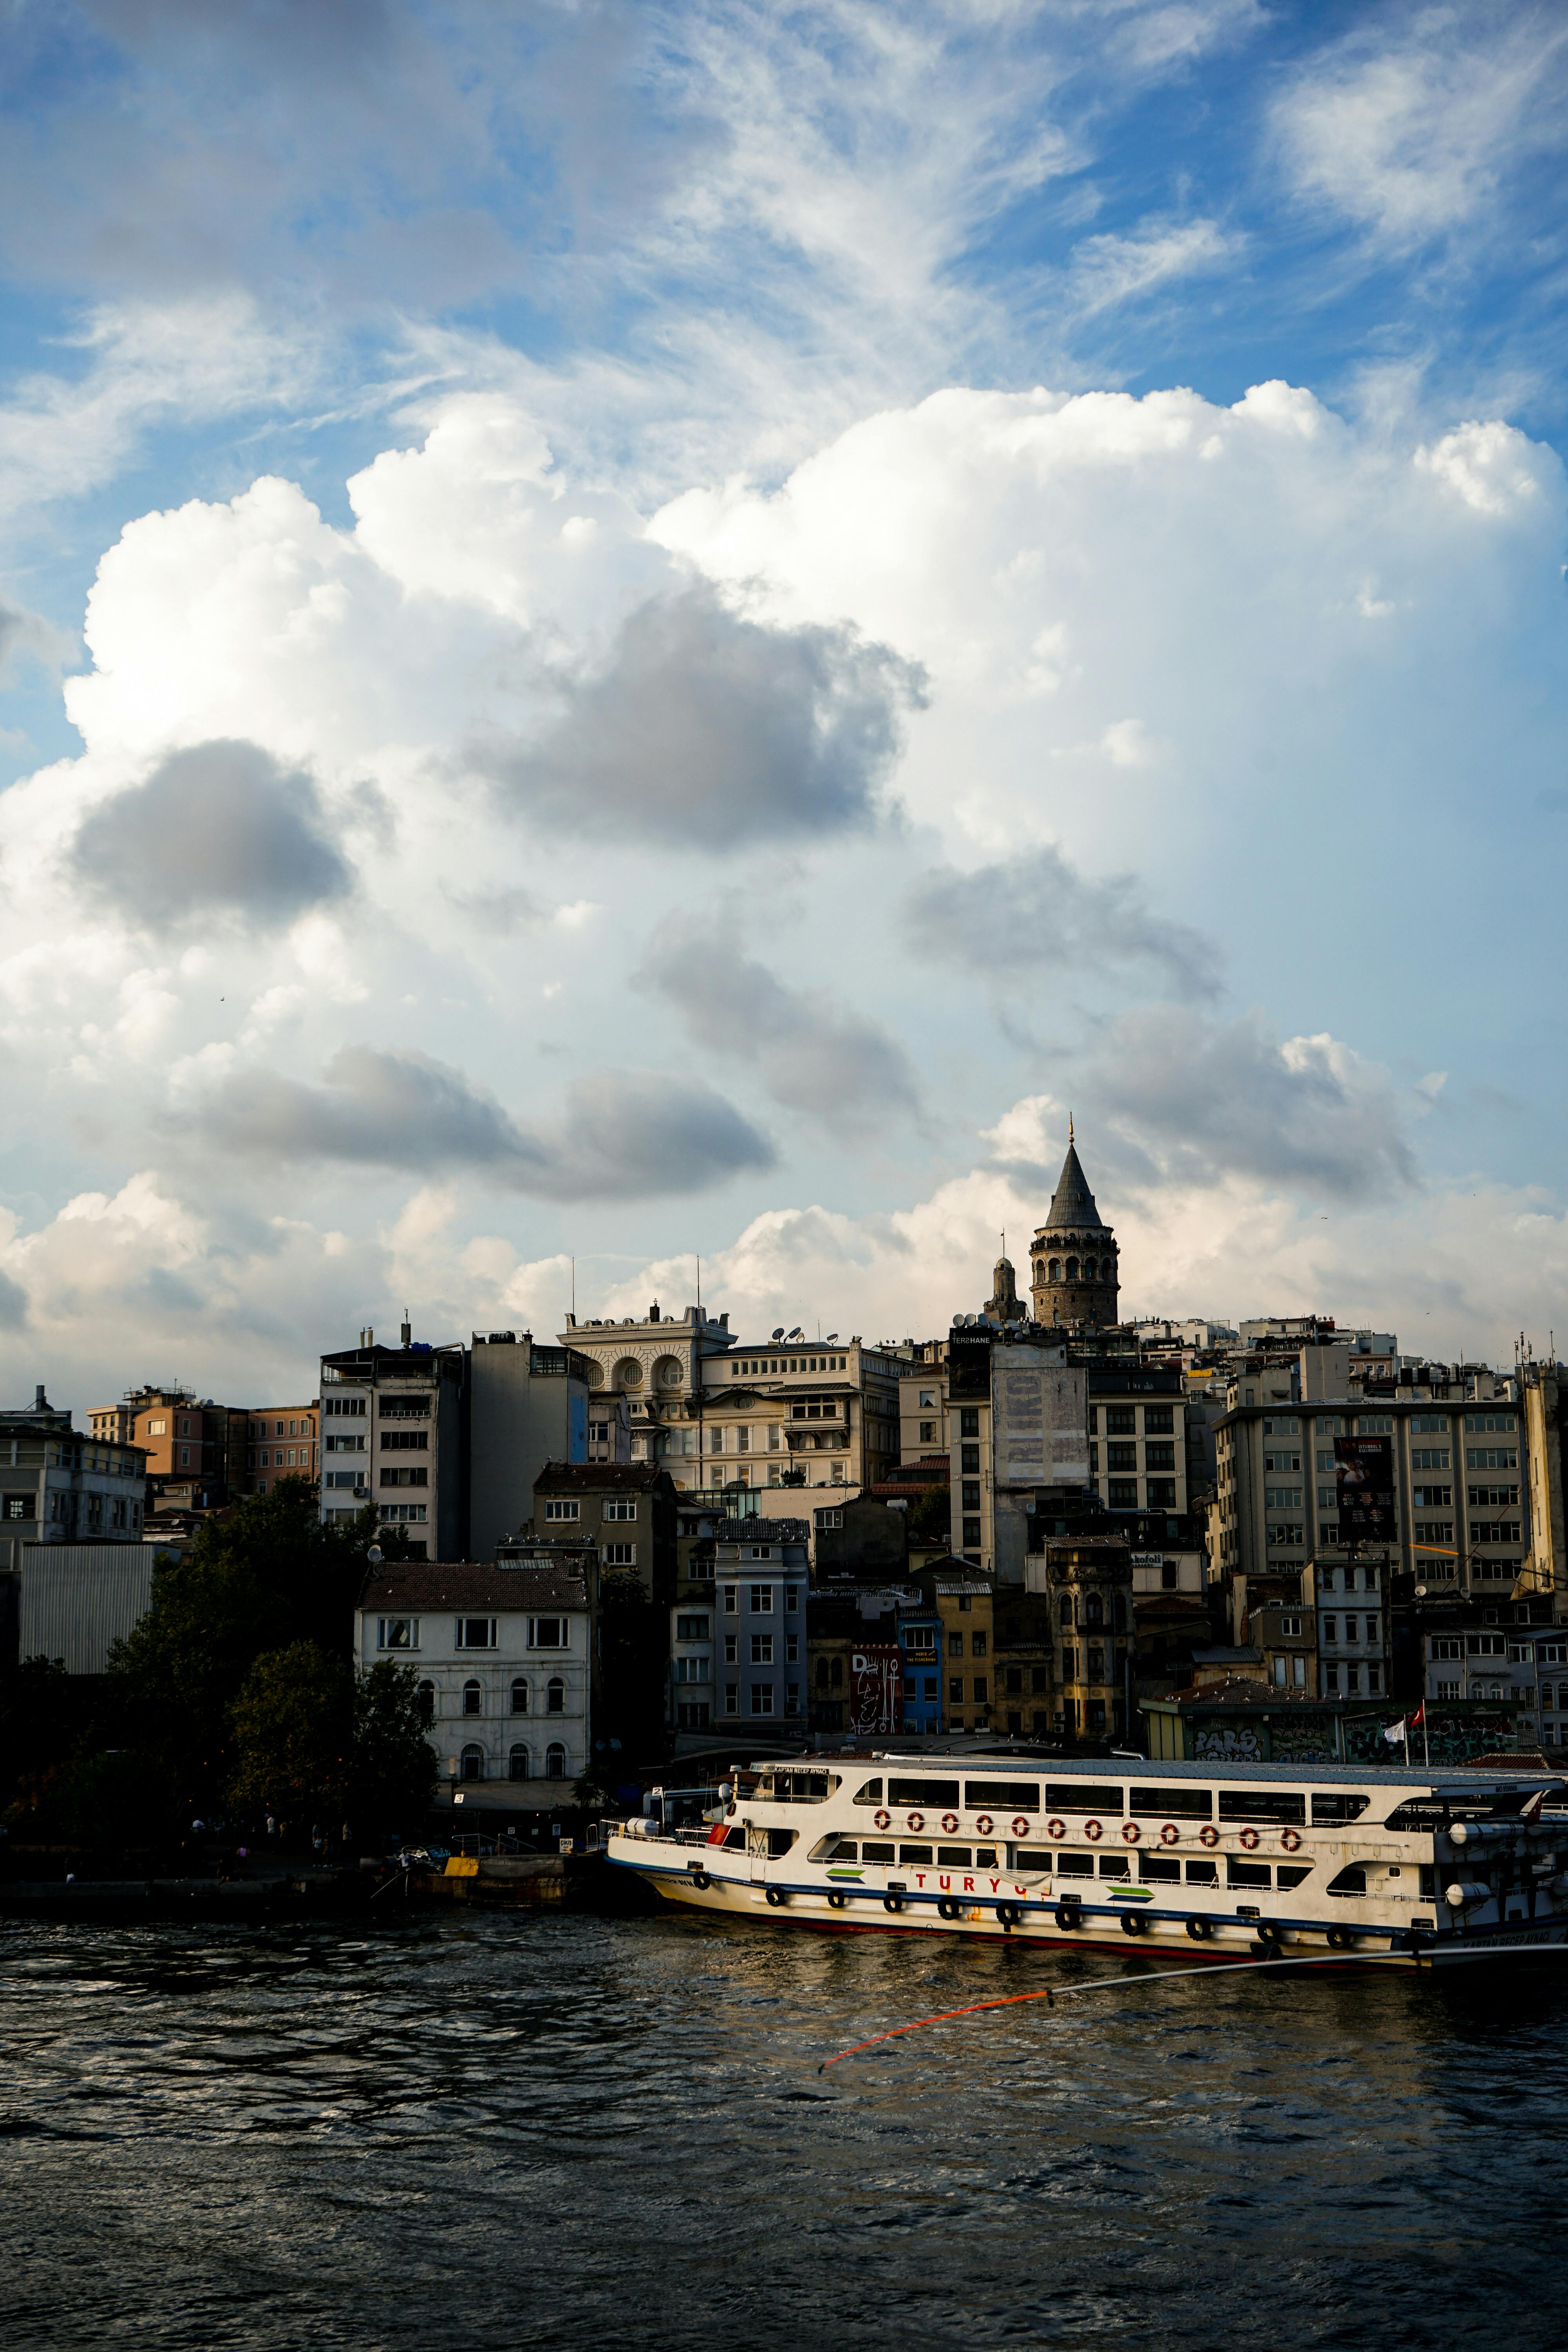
{"points": [[504, 1656], [624, 1512], [922, 1409], [1088, 1581], [394, 1427], [61, 1485], [1074, 1277], [1019, 1417], [739, 1628], [652, 1370], [1543, 1408], [1453, 1462], [282, 1440], [528, 1406], [800, 1414]]}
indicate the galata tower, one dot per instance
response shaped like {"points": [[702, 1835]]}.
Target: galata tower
{"points": [[1073, 1255]]}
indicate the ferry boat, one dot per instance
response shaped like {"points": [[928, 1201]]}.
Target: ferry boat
{"points": [[1395, 1864]]}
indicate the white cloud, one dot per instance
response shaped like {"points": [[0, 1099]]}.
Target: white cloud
{"points": [[1107, 269]]}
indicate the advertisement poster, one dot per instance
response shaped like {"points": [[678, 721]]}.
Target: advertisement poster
{"points": [[877, 1688], [1363, 1486]]}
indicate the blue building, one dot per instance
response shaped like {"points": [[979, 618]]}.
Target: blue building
{"points": [[920, 1637]]}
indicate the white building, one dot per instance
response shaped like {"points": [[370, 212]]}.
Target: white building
{"points": [[392, 1434], [504, 1657], [59, 1486]]}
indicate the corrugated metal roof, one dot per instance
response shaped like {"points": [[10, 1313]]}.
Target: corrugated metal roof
{"points": [[76, 1599]]}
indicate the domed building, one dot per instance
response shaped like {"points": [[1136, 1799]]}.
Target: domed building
{"points": [[1074, 1279]]}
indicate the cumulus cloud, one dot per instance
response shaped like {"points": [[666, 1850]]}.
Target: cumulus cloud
{"points": [[220, 828], [811, 1054], [705, 730], [1037, 910], [26, 635], [622, 1134]]}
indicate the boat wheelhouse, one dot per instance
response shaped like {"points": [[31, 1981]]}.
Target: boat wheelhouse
{"points": [[1391, 1863]]}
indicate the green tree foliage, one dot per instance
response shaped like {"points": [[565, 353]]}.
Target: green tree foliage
{"points": [[930, 1516], [260, 1578], [37, 1721], [394, 1764], [292, 1732]]}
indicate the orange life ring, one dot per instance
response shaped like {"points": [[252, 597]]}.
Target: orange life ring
{"points": [[882, 1821], [1019, 1825], [982, 1824], [1056, 1829], [1249, 1838], [1170, 1834], [1208, 1834], [1093, 1832], [1291, 1840], [949, 1822], [1131, 1832], [918, 1822]]}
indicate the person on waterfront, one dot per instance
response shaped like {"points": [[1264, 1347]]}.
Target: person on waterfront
{"points": [[271, 1830], [318, 1840]]}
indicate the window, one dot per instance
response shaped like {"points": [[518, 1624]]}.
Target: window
{"points": [[397, 1633], [1281, 1498], [519, 1696], [1477, 1424], [731, 1600], [968, 1422], [927, 1433], [692, 1629], [969, 1500], [761, 1649], [471, 1763], [1281, 1465], [696, 1669], [1375, 1424], [977, 1645], [979, 1690], [1428, 1457], [556, 1696], [404, 1477], [792, 1600], [1159, 1457], [761, 1698], [619, 1508], [1158, 1419], [556, 1762], [1121, 1421], [475, 1634], [620, 1554], [1122, 1494], [404, 1441], [473, 1699], [559, 1509], [761, 1600], [969, 1461], [517, 1764], [547, 1633], [1330, 1677], [1282, 1425], [970, 1537]]}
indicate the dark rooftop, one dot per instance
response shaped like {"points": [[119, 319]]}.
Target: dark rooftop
{"points": [[411, 1584]]}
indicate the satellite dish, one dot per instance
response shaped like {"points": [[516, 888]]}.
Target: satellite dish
{"points": [[779, 1333], [831, 1337], [373, 1556], [797, 1333]]}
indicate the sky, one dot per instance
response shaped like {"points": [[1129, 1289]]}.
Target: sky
{"points": [[635, 633]]}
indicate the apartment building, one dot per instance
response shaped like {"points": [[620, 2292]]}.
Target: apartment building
{"points": [[624, 1511], [393, 1424], [59, 1484], [649, 1375], [528, 1406], [281, 1442], [922, 1409], [739, 1628]]}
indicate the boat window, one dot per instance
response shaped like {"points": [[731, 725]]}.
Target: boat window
{"points": [[845, 1851], [1003, 1796], [871, 1794], [801, 1788], [1419, 1813], [733, 1840], [935, 1794], [1239, 1872], [1115, 1865], [1261, 1805], [1161, 1866], [781, 1840], [1291, 1873], [953, 1857], [832, 1848], [1075, 1865], [1081, 1797], [985, 1857], [1337, 1805], [1202, 1874], [1028, 1857], [1352, 1880], [872, 1850], [914, 1854], [1175, 1804]]}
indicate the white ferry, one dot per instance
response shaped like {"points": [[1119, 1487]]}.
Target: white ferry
{"points": [[1388, 1863]]}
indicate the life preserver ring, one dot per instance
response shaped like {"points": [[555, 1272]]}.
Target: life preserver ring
{"points": [[949, 1822], [1170, 1834], [882, 1821], [982, 1825], [1054, 1829], [1131, 1832], [1208, 1834], [1019, 1825], [1249, 1838], [915, 1820], [1093, 1832], [1291, 1840]]}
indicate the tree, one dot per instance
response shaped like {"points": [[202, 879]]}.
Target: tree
{"points": [[257, 1580], [293, 1730], [930, 1516], [393, 1766]]}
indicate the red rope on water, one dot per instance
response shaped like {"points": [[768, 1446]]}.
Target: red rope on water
{"points": [[1050, 1993]]}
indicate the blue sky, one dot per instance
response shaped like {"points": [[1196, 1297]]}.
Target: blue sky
{"points": [[628, 631]]}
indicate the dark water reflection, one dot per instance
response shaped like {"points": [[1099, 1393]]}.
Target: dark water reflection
{"points": [[612, 2133]]}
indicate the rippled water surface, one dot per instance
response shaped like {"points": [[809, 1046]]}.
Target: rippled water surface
{"points": [[497, 2131]]}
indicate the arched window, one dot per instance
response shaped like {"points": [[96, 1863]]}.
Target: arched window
{"points": [[519, 1696], [1094, 1610], [556, 1696], [517, 1764], [1072, 1269], [472, 1762], [556, 1762], [472, 1698], [1088, 1269], [426, 1702], [1056, 1269], [838, 1674], [1065, 1612]]}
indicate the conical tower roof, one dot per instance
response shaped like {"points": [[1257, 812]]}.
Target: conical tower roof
{"points": [[1072, 1203]]}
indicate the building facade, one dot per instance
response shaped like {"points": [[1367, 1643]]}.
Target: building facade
{"points": [[61, 1485], [393, 1424], [1074, 1272], [623, 1513], [504, 1657], [739, 1628], [280, 1442], [528, 1406]]}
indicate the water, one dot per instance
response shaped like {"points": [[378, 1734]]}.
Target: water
{"points": [[449, 2133]]}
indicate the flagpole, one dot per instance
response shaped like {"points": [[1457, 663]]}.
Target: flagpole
{"points": [[1426, 1743]]}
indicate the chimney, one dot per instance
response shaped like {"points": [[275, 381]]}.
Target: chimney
{"points": [[407, 1328], [41, 1401]]}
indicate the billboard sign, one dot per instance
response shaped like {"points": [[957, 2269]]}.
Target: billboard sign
{"points": [[876, 1688], [1363, 1488]]}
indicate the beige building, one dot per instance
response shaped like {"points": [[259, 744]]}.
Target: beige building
{"points": [[392, 1434], [1544, 1409], [922, 1408], [1455, 1452]]}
